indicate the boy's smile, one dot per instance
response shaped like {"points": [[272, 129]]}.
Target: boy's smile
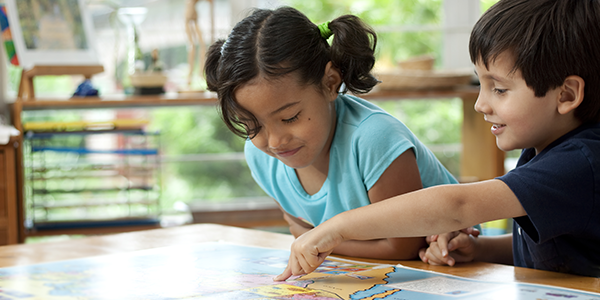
{"points": [[497, 128], [519, 119]]}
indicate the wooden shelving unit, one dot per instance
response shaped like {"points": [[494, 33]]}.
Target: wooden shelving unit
{"points": [[26, 89], [73, 181], [485, 160], [109, 102], [9, 229]]}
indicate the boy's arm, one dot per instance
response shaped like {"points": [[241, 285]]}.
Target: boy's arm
{"points": [[401, 176], [424, 212]]}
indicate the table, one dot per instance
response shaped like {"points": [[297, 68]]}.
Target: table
{"points": [[26, 254]]}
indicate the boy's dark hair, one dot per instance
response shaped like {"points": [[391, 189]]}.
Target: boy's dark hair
{"points": [[549, 40], [273, 43]]}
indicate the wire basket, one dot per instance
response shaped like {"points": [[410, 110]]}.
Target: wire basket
{"points": [[421, 62]]}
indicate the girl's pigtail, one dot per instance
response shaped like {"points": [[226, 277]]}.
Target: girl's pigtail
{"points": [[353, 52], [211, 66]]}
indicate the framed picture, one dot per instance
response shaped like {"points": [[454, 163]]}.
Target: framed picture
{"points": [[51, 32]]}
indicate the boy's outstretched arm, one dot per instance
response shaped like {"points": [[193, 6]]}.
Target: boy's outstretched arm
{"points": [[424, 212]]}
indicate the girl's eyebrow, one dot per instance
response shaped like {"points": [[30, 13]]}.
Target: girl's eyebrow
{"points": [[284, 107]]}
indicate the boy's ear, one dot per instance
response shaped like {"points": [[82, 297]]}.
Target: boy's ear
{"points": [[571, 95], [332, 79]]}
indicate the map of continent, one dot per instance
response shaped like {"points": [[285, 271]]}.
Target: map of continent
{"points": [[226, 271]]}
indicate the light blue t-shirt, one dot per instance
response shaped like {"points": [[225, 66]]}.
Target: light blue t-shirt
{"points": [[367, 140]]}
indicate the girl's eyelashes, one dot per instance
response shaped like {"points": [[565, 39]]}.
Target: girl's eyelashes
{"points": [[292, 119]]}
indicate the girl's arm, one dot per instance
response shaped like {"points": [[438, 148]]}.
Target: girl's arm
{"points": [[402, 176], [297, 226], [424, 212], [495, 249]]}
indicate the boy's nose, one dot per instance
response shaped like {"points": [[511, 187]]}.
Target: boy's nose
{"points": [[481, 105]]}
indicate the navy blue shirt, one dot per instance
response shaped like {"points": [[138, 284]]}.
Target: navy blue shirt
{"points": [[560, 190]]}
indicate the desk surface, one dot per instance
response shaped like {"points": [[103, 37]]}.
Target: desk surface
{"points": [[25, 254]]}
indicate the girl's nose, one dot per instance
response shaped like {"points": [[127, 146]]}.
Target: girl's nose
{"points": [[276, 137]]}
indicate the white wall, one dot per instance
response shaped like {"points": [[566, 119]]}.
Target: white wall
{"points": [[241, 8], [459, 18], [164, 26]]}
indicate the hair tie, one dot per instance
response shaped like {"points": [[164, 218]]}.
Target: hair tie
{"points": [[324, 30]]}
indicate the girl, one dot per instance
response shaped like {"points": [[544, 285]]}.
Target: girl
{"points": [[309, 145]]}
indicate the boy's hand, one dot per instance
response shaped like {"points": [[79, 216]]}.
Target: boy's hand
{"points": [[450, 248], [309, 251]]}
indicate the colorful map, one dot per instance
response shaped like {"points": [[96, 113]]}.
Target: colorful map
{"points": [[226, 271]]}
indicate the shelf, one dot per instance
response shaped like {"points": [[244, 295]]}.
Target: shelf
{"points": [[93, 204], [47, 134], [93, 226], [209, 98], [97, 174], [89, 167], [120, 101], [92, 151], [467, 91], [96, 190]]}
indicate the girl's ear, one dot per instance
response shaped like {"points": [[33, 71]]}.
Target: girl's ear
{"points": [[332, 79], [571, 95]]}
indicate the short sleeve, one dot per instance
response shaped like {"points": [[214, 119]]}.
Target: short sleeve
{"points": [[554, 191], [377, 142]]}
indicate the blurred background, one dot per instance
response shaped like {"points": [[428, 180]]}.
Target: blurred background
{"points": [[201, 162]]}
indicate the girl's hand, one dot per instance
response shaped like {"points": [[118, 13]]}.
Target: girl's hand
{"points": [[309, 251]]}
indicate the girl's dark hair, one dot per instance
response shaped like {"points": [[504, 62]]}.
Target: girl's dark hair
{"points": [[549, 40], [273, 43]]}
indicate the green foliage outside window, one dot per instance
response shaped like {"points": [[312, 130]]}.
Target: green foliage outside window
{"points": [[385, 16], [189, 131]]}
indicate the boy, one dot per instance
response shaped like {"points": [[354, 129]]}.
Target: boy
{"points": [[538, 63]]}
